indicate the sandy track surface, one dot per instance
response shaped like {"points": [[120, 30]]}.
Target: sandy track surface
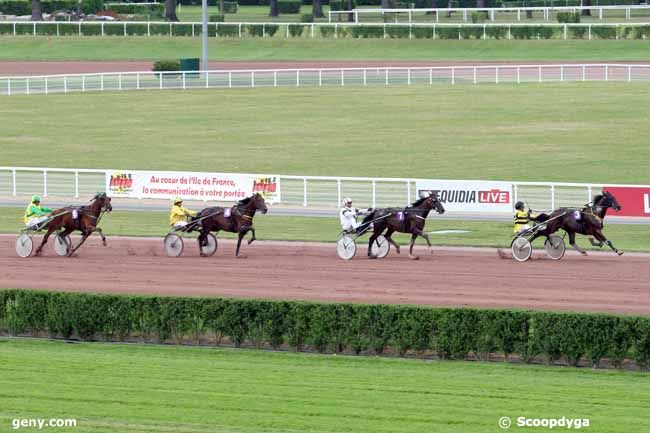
{"points": [[284, 270]]}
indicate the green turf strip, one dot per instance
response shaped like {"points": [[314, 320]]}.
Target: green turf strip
{"points": [[157, 48], [581, 132], [131, 388], [319, 229]]}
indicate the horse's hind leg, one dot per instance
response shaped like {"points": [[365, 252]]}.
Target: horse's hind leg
{"points": [[603, 240], [572, 241], [389, 238], [373, 238], [81, 242], [411, 256], [252, 239], [43, 242]]}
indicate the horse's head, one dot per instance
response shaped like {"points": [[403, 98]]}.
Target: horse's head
{"points": [[257, 203], [436, 203], [103, 201], [609, 201]]}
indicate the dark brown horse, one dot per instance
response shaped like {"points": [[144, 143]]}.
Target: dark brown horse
{"points": [[403, 220], [585, 221], [83, 219], [237, 219]]}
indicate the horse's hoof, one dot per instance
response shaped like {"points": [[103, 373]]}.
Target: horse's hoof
{"points": [[241, 257], [620, 253], [372, 256], [397, 250], [250, 241], [584, 253], [414, 257]]}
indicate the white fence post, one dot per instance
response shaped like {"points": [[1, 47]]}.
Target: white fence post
{"points": [[496, 75], [453, 75], [304, 191], [606, 72], [65, 84], [374, 193], [137, 80], [552, 196], [338, 189], [275, 78], [584, 73], [13, 181], [76, 184], [44, 183], [629, 74], [297, 77], [46, 85]]}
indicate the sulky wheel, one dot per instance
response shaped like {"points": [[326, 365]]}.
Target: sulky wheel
{"points": [[521, 249], [380, 247], [554, 247], [62, 245], [211, 247], [173, 245], [24, 245], [346, 248]]}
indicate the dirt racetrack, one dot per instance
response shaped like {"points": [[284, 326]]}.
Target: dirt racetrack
{"points": [[284, 270]]}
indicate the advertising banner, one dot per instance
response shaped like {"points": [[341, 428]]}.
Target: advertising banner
{"points": [[635, 201], [190, 186], [470, 196]]}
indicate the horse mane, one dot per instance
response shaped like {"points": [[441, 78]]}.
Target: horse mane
{"points": [[419, 201], [598, 198], [245, 201]]}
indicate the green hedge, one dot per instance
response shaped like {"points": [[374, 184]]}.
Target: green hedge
{"points": [[152, 10], [568, 17], [289, 6], [21, 7], [449, 333]]}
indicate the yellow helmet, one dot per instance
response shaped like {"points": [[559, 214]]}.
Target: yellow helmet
{"points": [[177, 199]]}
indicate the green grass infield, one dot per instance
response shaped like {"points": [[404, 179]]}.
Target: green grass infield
{"points": [[144, 388]]}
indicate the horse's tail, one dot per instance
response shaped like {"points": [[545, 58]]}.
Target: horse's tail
{"points": [[542, 217], [369, 216]]}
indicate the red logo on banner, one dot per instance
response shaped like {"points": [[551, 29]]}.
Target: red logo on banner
{"points": [[634, 201], [494, 196]]}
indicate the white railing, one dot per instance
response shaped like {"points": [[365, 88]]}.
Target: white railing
{"points": [[288, 30], [547, 12], [382, 76], [306, 191]]}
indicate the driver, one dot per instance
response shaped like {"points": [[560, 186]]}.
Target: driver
{"points": [[522, 217], [35, 214], [348, 216], [178, 217]]}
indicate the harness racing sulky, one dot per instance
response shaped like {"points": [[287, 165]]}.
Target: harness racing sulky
{"points": [[63, 222], [587, 220]]}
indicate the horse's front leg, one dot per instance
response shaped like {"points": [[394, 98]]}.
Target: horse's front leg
{"points": [[43, 242], [101, 233], [602, 239], [411, 256], [426, 238], [202, 240], [84, 236], [252, 230], [373, 238], [242, 233]]}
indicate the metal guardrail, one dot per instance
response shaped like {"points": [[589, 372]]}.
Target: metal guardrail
{"points": [[242, 29], [547, 12], [306, 191], [450, 75]]}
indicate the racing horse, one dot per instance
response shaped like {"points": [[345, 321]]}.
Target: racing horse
{"points": [[83, 219], [403, 220], [585, 221], [238, 219]]}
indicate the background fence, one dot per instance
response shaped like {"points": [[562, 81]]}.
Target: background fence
{"points": [[451, 75], [534, 30], [306, 191], [491, 13]]}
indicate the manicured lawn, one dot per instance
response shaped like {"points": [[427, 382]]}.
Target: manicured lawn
{"points": [[581, 132], [157, 48], [319, 229], [128, 388]]}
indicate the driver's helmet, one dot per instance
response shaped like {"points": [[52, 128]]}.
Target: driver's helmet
{"points": [[36, 199], [347, 202], [178, 200], [519, 205]]}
